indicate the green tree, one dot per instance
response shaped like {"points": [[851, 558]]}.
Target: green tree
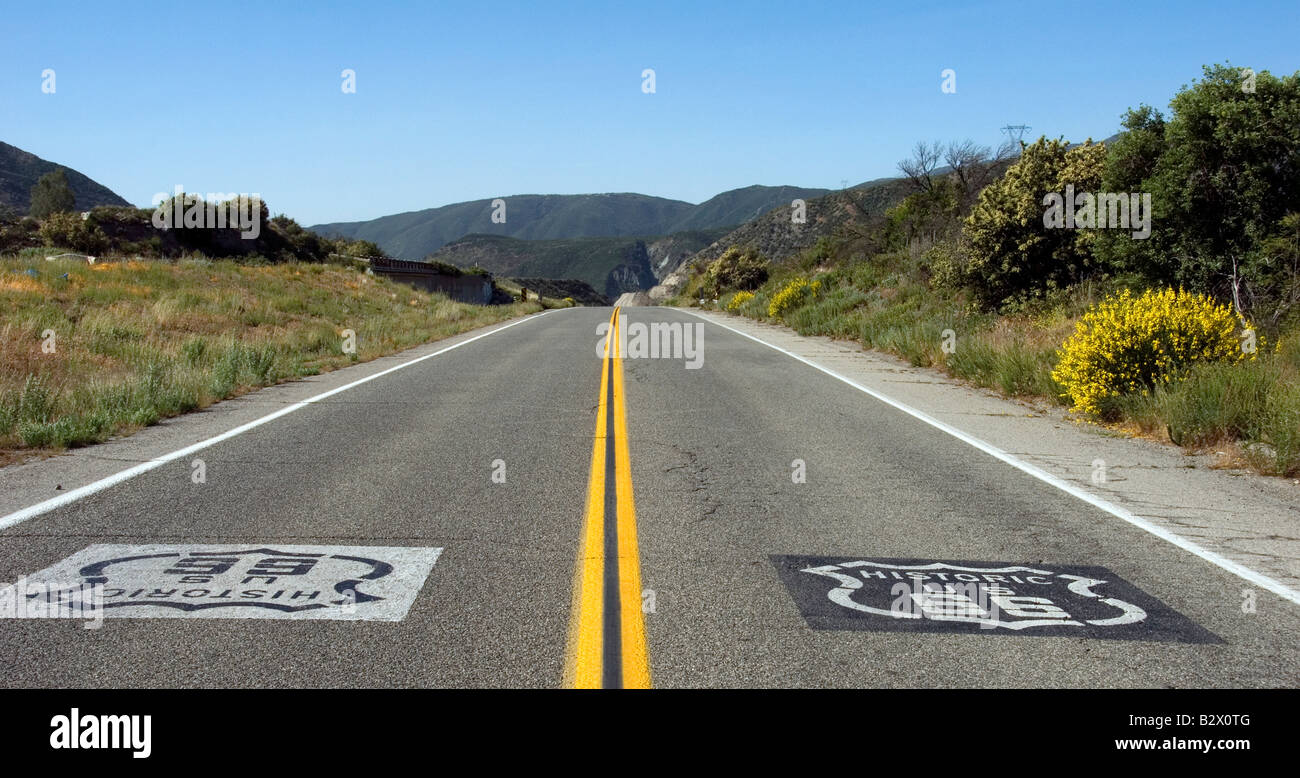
{"points": [[924, 217], [52, 195], [1223, 172]]}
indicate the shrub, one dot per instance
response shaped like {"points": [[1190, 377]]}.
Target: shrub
{"points": [[796, 291], [737, 268], [16, 234], [739, 299], [1011, 255], [69, 230], [358, 248], [1126, 345]]}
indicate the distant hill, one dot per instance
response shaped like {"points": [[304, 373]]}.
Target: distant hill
{"points": [[670, 251], [558, 289], [778, 238], [20, 170], [610, 265], [417, 234], [742, 205]]}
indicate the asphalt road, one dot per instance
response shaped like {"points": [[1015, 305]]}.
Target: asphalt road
{"points": [[735, 479]]}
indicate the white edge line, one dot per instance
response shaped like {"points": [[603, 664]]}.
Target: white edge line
{"points": [[19, 516], [1259, 579]]}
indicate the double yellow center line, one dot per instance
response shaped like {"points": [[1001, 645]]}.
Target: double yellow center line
{"points": [[607, 643]]}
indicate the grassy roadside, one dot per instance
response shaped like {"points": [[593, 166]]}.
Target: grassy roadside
{"points": [[92, 351], [1250, 411]]}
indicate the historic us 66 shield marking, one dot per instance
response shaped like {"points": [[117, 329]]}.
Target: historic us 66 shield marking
{"points": [[993, 598], [364, 583]]}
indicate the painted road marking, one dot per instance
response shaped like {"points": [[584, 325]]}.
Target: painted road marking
{"points": [[607, 643], [1237, 569], [32, 511], [636, 657], [251, 581], [991, 598]]}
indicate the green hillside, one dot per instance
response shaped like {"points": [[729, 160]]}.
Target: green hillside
{"points": [[775, 235], [742, 205], [20, 170]]}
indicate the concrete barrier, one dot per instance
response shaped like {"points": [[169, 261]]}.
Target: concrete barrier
{"points": [[466, 288]]}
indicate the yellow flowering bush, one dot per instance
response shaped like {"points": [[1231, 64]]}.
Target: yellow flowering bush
{"points": [[739, 299], [1132, 344], [793, 292]]}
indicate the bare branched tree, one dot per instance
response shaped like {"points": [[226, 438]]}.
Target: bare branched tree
{"points": [[974, 167], [920, 167], [965, 158]]}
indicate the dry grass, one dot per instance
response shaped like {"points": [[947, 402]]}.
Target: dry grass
{"points": [[135, 342]]}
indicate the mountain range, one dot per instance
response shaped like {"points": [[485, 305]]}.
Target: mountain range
{"points": [[778, 237], [417, 234]]}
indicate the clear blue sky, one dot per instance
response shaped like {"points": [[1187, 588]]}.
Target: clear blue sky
{"points": [[472, 100]]}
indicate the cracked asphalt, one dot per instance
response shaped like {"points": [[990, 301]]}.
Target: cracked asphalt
{"points": [[407, 459]]}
